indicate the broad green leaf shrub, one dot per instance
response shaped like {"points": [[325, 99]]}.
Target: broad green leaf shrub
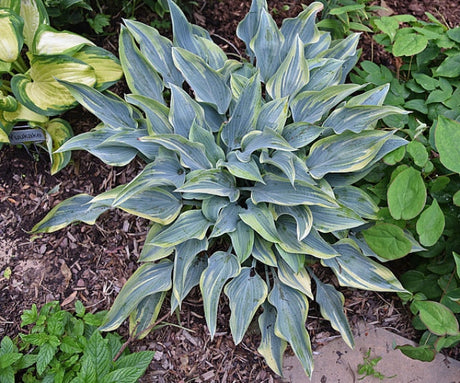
{"points": [[29, 90], [422, 189], [249, 175], [64, 348]]}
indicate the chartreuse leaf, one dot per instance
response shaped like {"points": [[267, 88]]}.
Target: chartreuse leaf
{"points": [[141, 76], [406, 194], [345, 153], [48, 41], [271, 346], [213, 182], [58, 131], [353, 269], [331, 304], [430, 224], [266, 45], [244, 117], [190, 224], [13, 5], [209, 85], [145, 314], [299, 280], [292, 75], [310, 106], [110, 110], [34, 15], [279, 191], [11, 42], [246, 292], [157, 50], [387, 241], [39, 91], [292, 309], [76, 208], [221, 267], [437, 317], [150, 278], [447, 137]]}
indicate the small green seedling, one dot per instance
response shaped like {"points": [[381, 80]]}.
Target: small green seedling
{"points": [[368, 367]]}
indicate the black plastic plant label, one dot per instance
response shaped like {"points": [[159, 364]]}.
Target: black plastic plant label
{"points": [[23, 134]]}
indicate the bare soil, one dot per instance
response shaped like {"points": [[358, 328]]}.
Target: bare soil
{"points": [[91, 263]]}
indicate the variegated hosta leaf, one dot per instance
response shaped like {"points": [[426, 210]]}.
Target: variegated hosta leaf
{"points": [[345, 153], [374, 96], [244, 117], [221, 267], [213, 181], [242, 241], [324, 73], [249, 26], [76, 208], [157, 50], [327, 220], [112, 111], [208, 85], [353, 269], [273, 115], [226, 220], [245, 170], [301, 214], [106, 66], [34, 14], [39, 90], [145, 315], [331, 305], [4, 139], [303, 25], [263, 251], [266, 45], [292, 75], [294, 260], [190, 224], [155, 112], [14, 5], [279, 191], [312, 50], [152, 252], [292, 309], [271, 346], [184, 112], [48, 41], [7, 103], [57, 132], [213, 151], [357, 200], [284, 161], [11, 42], [246, 292], [183, 259], [261, 220], [299, 280], [300, 134], [24, 114], [212, 206], [192, 154], [150, 278], [310, 106]]}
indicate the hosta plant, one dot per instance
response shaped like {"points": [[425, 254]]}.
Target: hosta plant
{"points": [[29, 88], [249, 174]]}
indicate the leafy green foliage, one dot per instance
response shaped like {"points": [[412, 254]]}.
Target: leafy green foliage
{"points": [[249, 174], [422, 191], [29, 91], [61, 347], [367, 368]]}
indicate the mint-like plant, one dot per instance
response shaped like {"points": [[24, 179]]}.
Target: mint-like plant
{"points": [[249, 177]]}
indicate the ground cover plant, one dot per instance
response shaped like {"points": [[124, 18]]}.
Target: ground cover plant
{"points": [[249, 176], [422, 191], [61, 347], [29, 90]]}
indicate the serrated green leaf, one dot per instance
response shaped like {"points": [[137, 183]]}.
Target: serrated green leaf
{"points": [[388, 241], [438, 318], [406, 194], [271, 346], [221, 267], [139, 360], [331, 304], [246, 292], [430, 224], [356, 270], [292, 310], [96, 361], [8, 359], [44, 357], [148, 279]]}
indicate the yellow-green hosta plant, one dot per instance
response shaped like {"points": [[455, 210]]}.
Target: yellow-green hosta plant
{"points": [[29, 87], [249, 175]]}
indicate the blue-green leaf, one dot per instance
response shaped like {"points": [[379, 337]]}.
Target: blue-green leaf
{"points": [[242, 241], [301, 214], [300, 134], [260, 219], [327, 220], [185, 111], [213, 151], [263, 251], [273, 115], [249, 26], [299, 280], [357, 200], [245, 170]]}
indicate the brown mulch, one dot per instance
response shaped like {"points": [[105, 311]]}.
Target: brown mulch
{"points": [[91, 263]]}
